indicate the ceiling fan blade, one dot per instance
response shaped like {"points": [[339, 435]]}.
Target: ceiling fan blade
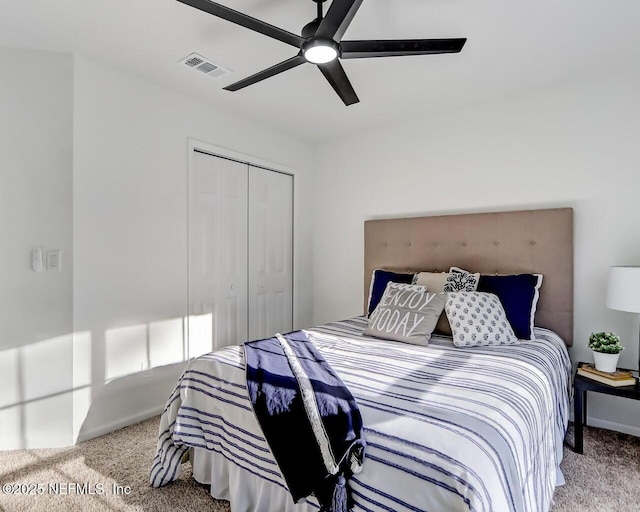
{"points": [[338, 19], [335, 75], [399, 47], [267, 73], [245, 21]]}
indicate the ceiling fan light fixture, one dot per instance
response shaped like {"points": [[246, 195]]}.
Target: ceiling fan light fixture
{"points": [[320, 51]]}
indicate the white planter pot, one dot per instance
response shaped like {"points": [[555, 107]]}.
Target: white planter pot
{"points": [[605, 362]]}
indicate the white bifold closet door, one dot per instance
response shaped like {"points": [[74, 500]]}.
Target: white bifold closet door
{"points": [[217, 253], [270, 252], [240, 253]]}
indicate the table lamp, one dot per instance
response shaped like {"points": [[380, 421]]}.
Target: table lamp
{"points": [[623, 291]]}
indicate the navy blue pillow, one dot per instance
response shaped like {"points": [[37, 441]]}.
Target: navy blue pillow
{"points": [[519, 295], [379, 282]]}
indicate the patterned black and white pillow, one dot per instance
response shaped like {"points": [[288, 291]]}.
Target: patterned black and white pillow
{"points": [[460, 280], [478, 318]]}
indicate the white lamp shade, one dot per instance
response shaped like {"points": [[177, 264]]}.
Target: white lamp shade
{"points": [[623, 289]]}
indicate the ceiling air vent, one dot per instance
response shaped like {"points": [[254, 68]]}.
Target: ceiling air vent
{"points": [[205, 66]]}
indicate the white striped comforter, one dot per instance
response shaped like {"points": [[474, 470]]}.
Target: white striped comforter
{"points": [[447, 429]]}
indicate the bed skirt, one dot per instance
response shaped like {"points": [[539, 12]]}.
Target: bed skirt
{"points": [[246, 492], [249, 493]]}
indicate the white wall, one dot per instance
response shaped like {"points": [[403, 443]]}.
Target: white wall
{"points": [[130, 234], [36, 144], [573, 145], [94, 162]]}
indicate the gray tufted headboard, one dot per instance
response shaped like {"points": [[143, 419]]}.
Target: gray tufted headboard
{"points": [[530, 241]]}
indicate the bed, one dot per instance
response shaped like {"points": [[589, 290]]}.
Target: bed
{"points": [[447, 429]]}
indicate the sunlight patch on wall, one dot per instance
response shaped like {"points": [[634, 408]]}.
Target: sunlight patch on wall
{"points": [[81, 359], [10, 426], [139, 348], [35, 394], [166, 342], [47, 422], [125, 351], [200, 334], [9, 395], [81, 379], [47, 367], [9, 377]]}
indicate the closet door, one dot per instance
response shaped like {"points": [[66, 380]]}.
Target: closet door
{"points": [[217, 253], [270, 252]]}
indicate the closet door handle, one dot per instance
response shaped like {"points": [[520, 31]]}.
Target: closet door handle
{"points": [[233, 286]]}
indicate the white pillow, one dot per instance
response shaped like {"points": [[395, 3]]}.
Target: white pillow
{"points": [[478, 318], [434, 281]]}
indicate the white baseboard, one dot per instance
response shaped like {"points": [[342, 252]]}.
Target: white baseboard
{"points": [[118, 424], [611, 425]]}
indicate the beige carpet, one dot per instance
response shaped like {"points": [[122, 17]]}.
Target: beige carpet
{"points": [[122, 457], [606, 478]]}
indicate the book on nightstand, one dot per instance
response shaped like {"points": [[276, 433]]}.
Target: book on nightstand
{"points": [[617, 378]]}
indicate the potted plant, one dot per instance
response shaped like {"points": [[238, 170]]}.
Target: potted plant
{"points": [[606, 350]]}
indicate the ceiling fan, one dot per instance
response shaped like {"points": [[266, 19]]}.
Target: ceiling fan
{"points": [[321, 43]]}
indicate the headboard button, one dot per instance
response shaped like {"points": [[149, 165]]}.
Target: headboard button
{"points": [[464, 244], [435, 244], [533, 242], [386, 244], [496, 243], [408, 244]]}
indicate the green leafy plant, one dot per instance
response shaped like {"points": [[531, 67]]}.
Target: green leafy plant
{"points": [[606, 342]]}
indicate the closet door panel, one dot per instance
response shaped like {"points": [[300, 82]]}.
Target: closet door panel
{"points": [[217, 253], [270, 253]]}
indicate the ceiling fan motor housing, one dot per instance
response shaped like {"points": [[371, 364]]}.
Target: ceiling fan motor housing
{"points": [[310, 29]]}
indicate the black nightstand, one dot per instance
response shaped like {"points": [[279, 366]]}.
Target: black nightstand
{"points": [[583, 384]]}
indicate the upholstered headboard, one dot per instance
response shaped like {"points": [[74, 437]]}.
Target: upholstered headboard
{"points": [[531, 241]]}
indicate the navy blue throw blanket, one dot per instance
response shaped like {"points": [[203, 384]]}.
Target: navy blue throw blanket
{"points": [[309, 418]]}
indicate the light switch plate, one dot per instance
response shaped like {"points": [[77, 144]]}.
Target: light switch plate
{"points": [[54, 261], [36, 259]]}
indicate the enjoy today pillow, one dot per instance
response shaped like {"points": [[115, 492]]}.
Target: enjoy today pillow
{"points": [[406, 313]]}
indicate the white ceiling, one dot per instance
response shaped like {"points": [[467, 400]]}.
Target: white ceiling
{"points": [[513, 47]]}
